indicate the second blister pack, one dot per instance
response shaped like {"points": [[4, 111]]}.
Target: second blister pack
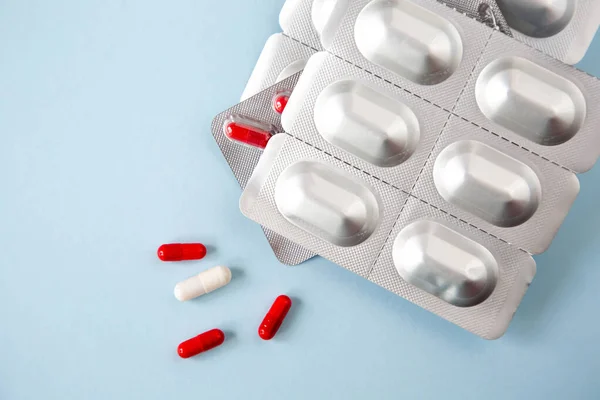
{"points": [[500, 84], [306, 23], [563, 29], [381, 233], [242, 132], [430, 153], [281, 58], [314, 22]]}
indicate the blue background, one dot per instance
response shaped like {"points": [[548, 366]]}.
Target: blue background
{"points": [[106, 153]]}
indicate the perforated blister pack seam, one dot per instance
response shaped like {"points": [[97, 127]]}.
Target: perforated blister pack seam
{"points": [[322, 79], [479, 21], [433, 149], [516, 259], [551, 190], [258, 202], [411, 192], [555, 50], [488, 319], [576, 158], [451, 113], [440, 107], [461, 220], [518, 40]]}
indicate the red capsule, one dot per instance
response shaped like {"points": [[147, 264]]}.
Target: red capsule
{"points": [[248, 131], [201, 343], [280, 101], [270, 325], [181, 251]]}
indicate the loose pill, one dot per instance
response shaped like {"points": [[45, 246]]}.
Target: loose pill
{"points": [[181, 251], [248, 131], [201, 343], [272, 321], [204, 282]]}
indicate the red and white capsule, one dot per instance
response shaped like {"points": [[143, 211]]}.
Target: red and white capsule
{"points": [[248, 131], [280, 101], [181, 251], [201, 343], [274, 318]]}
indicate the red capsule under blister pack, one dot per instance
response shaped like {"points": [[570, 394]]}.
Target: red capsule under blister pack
{"points": [[201, 343], [274, 318], [181, 251], [248, 131], [280, 101]]}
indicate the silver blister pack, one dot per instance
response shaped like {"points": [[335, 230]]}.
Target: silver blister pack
{"points": [[355, 116], [536, 102], [563, 29], [281, 58], [455, 63], [307, 192], [423, 46], [454, 270], [500, 188], [311, 20], [377, 231], [242, 158], [387, 133]]}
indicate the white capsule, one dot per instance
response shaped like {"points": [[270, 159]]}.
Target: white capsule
{"points": [[204, 282]]}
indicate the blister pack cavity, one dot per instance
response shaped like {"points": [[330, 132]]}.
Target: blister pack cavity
{"points": [[243, 158], [563, 29], [430, 152], [381, 233]]}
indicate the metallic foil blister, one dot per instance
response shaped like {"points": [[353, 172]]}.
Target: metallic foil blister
{"points": [[497, 186], [451, 61], [378, 232], [500, 187], [535, 101], [448, 217], [422, 46], [453, 270], [321, 203], [563, 29], [349, 113], [310, 20]]}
